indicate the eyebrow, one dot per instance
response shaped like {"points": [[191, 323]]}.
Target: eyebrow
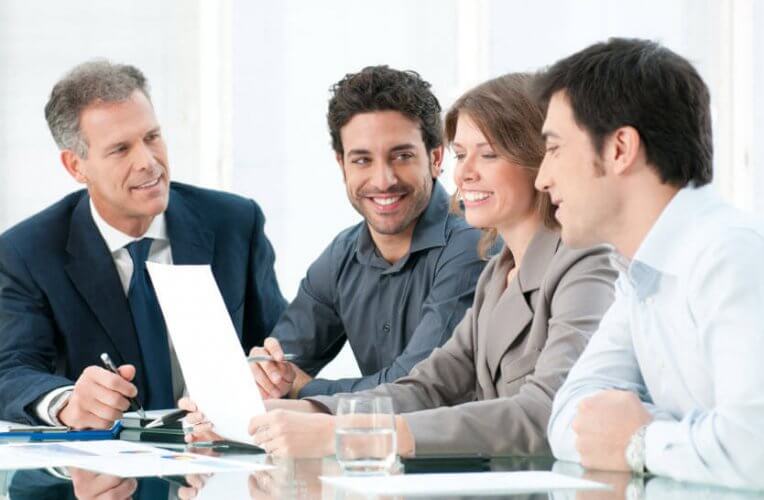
{"points": [[547, 135], [479, 145], [399, 147]]}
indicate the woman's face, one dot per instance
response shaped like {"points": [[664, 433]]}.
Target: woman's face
{"points": [[497, 193]]}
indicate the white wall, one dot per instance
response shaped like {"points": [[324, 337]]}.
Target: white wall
{"points": [[241, 86]]}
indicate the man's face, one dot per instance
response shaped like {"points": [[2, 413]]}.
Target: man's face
{"points": [[388, 172], [573, 174], [126, 170]]}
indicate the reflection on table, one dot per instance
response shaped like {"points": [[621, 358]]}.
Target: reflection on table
{"points": [[300, 479]]}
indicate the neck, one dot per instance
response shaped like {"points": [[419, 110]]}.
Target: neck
{"points": [[638, 215], [132, 226], [518, 235], [393, 247]]}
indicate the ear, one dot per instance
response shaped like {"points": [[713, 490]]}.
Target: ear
{"points": [[341, 162], [623, 149], [73, 164], [436, 160]]}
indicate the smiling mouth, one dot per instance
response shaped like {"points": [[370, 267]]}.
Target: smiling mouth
{"points": [[475, 196], [386, 203], [147, 185]]}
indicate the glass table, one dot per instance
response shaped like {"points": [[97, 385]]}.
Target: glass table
{"points": [[299, 478]]}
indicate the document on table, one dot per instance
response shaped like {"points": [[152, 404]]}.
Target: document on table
{"points": [[479, 483], [214, 365], [117, 458]]}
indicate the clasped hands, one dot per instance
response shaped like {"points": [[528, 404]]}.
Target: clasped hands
{"points": [[604, 425]]}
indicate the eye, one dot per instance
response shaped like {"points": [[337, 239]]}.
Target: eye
{"points": [[153, 137], [551, 149], [118, 150], [459, 156], [361, 160], [489, 156], [404, 156]]}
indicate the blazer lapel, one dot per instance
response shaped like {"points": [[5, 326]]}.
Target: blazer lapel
{"points": [[513, 313], [191, 243], [91, 268]]}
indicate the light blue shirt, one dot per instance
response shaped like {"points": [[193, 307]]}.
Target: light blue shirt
{"points": [[686, 333]]}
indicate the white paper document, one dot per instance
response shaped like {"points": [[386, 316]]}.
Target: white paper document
{"points": [[478, 483], [214, 365], [118, 458]]}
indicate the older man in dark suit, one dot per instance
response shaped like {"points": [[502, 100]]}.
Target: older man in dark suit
{"points": [[73, 280]]}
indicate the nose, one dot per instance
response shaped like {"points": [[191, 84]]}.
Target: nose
{"points": [[466, 170], [384, 176], [543, 179], [144, 158]]}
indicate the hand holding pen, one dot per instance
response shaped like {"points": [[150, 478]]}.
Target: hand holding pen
{"points": [[274, 375], [99, 397]]}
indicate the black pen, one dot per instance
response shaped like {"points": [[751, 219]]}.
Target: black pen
{"points": [[169, 418], [134, 404]]}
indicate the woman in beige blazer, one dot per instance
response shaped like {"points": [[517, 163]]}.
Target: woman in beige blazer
{"points": [[489, 389]]}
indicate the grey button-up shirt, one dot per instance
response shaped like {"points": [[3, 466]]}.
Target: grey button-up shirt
{"points": [[393, 315]]}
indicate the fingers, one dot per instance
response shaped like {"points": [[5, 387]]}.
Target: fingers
{"points": [[187, 404], [264, 381], [274, 348], [98, 376], [127, 372]]}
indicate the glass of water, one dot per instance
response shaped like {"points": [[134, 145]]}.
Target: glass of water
{"points": [[365, 434]]}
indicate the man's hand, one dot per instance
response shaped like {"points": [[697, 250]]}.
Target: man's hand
{"points": [[287, 433], [274, 378], [99, 398], [92, 485], [604, 425]]}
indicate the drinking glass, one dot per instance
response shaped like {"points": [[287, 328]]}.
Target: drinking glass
{"points": [[365, 434]]}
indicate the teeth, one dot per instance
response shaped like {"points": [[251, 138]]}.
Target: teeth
{"points": [[386, 201], [149, 184], [474, 195]]}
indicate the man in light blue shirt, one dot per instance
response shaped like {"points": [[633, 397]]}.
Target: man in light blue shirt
{"points": [[673, 381]]}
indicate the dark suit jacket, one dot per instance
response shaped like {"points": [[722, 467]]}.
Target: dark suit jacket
{"points": [[62, 304]]}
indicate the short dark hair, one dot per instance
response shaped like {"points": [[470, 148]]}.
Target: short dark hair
{"points": [[639, 83], [93, 81], [380, 88]]}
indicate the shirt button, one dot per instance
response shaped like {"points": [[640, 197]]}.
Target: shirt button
{"points": [[386, 328]]}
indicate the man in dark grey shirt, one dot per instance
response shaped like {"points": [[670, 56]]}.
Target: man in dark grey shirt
{"points": [[395, 285]]}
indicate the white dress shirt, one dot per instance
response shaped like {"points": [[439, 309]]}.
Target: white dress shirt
{"points": [[686, 333], [160, 252]]}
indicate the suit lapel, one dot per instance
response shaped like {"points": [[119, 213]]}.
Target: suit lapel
{"points": [[512, 312], [91, 268], [191, 243]]}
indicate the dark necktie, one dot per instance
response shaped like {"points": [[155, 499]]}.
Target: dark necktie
{"points": [[151, 330]]}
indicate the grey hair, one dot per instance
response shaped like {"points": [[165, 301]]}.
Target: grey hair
{"points": [[88, 83]]}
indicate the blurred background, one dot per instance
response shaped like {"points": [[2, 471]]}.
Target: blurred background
{"points": [[241, 87]]}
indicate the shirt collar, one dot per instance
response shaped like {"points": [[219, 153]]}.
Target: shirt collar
{"points": [[666, 247], [116, 239], [429, 232]]}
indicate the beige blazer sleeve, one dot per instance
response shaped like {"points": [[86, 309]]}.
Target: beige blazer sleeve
{"points": [[490, 388]]}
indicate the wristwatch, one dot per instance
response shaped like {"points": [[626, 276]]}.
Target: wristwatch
{"points": [[635, 452]]}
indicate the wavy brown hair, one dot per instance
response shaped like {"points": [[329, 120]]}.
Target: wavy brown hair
{"points": [[510, 117]]}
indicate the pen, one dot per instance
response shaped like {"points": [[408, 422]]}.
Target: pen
{"points": [[169, 418], [134, 405], [259, 359]]}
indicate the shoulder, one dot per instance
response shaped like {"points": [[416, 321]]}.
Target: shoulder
{"points": [[571, 264], [213, 204], [48, 229]]}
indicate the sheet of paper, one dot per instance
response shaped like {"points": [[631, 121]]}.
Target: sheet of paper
{"points": [[226, 485], [214, 365], [168, 463], [25, 455], [479, 483]]}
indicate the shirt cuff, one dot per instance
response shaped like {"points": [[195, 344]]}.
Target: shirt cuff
{"points": [[42, 409]]}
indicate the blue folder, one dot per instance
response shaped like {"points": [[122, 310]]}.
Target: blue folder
{"points": [[58, 434]]}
